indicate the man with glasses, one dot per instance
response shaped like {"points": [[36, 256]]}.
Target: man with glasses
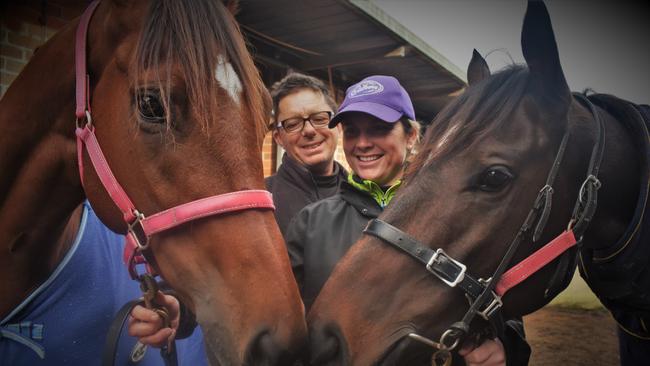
{"points": [[302, 110]]}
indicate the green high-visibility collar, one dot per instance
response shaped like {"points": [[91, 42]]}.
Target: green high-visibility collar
{"points": [[382, 197]]}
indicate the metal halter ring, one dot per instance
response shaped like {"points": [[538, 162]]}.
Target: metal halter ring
{"points": [[444, 346], [139, 216], [89, 120]]}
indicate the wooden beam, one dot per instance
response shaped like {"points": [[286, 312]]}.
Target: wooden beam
{"points": [[434, 89], [345, 59]]}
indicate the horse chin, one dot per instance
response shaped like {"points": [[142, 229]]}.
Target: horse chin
{"points": [[216, 348], [406, 352]]}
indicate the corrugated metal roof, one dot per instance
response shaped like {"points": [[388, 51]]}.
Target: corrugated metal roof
{"points": [[353, 39]]}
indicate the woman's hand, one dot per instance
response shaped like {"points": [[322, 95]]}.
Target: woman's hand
{"points": [[490, 353], [147, 325]]}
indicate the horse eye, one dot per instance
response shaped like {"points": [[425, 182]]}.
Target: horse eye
{"points": [[150, 107], [495, 178]]}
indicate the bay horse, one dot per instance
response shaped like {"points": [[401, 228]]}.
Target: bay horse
{"points": [[477, 201], [175, 106]]}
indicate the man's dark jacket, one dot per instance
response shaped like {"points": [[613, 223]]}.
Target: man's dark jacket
{"points": [[294, 187], [322, 233]]}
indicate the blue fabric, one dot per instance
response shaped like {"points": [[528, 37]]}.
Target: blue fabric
{"points": [[65, 320]]}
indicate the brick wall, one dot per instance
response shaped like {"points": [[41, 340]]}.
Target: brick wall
{"points": [[269, 155], [26, 25]]}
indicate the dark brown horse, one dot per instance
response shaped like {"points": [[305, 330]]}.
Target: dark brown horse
{"points": [[179, 110], [487, 160]]}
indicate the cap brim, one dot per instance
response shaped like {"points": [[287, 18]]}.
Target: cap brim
{"points": [[380, 111]]}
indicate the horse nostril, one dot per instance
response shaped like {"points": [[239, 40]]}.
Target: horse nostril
{"points": [[264, 350], [327, 346]]}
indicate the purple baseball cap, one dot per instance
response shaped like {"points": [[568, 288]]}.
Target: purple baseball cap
{"points": [[378, 95]]}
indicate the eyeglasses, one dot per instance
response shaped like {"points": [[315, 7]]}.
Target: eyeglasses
{"points": [[296, 124]]}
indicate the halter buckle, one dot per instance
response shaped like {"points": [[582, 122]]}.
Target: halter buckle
{"points": [[592, 181], [546, 190], [435, 259]]}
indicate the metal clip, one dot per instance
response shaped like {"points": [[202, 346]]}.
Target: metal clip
{"points": [[149, 288], [441, 346], [441, 358], [425, 340]]}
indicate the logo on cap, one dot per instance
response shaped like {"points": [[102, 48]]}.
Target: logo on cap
{"points": [[366, 87]]}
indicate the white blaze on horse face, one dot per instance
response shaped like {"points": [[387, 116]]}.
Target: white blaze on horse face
{"points": [[228, 79]]}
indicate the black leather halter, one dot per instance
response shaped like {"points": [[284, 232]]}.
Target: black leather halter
{"points": [[483, 299]]}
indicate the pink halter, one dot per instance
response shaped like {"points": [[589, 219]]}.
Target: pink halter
{"points": [[141, 228]]}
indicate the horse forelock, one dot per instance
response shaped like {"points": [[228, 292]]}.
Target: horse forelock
{"points": [[198, 37], [476, 113]]}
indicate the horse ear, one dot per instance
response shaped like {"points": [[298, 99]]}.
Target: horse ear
{"points": [[232, 6], [478, 69], [541, 52]]}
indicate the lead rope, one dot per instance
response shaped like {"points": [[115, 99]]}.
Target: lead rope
{"points": [[150, 289]]}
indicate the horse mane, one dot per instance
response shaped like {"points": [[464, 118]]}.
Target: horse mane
{"points": [[193, 33], [477, 112]]}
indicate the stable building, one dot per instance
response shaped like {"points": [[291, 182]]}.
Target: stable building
{"points": [[338, 41]]}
